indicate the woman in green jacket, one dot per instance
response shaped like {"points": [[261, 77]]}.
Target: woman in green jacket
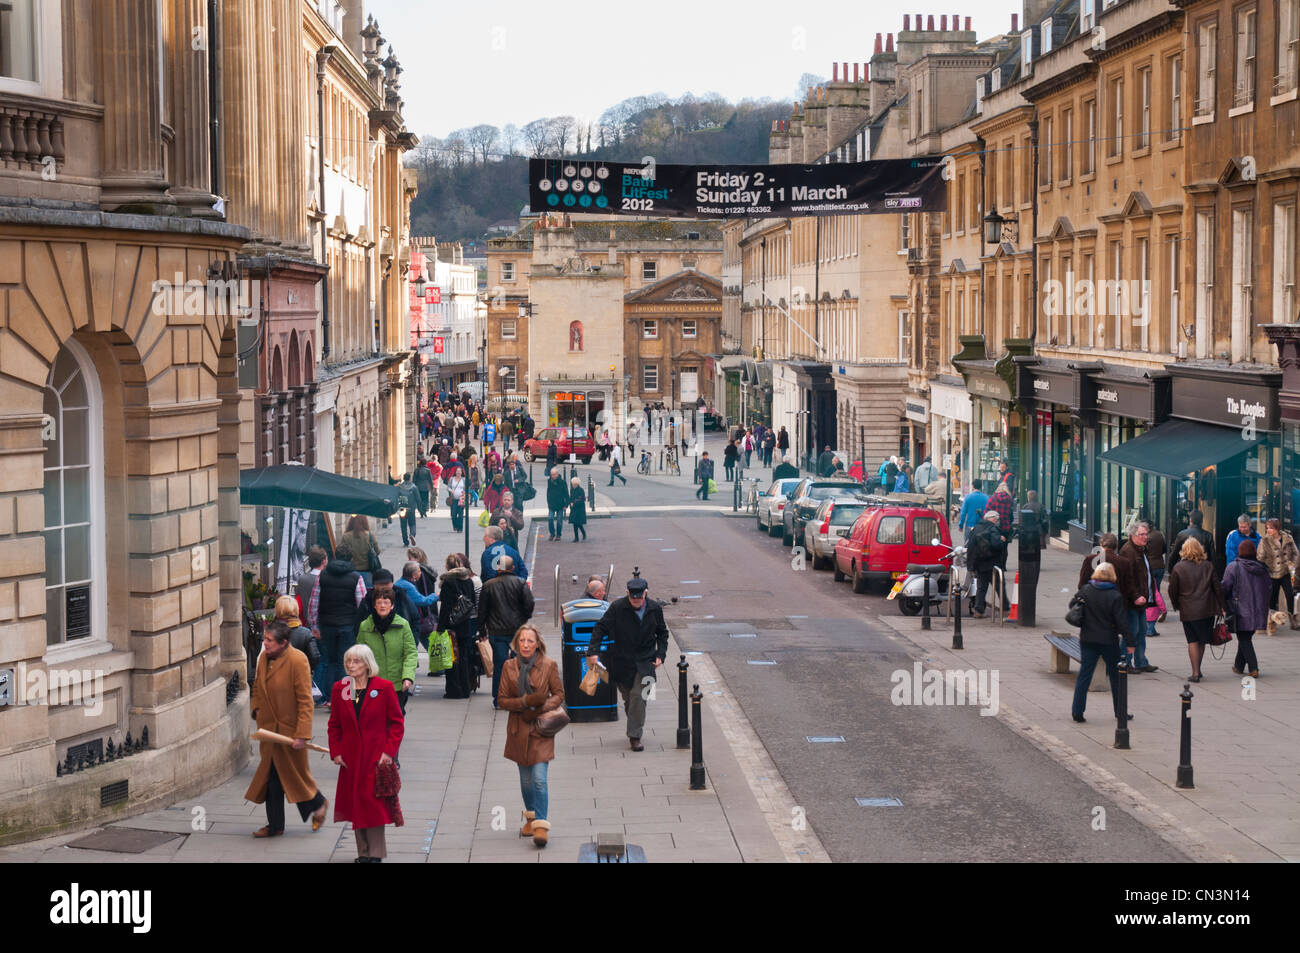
{"points": [[389, 636]]}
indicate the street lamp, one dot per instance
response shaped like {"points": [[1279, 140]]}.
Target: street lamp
{"points": [[993, 223]]}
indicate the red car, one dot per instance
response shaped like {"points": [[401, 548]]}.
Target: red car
{"points": [[885, 539], [582, 443]]}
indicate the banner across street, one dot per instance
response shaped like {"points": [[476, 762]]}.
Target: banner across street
{"points": [[886, 186]]}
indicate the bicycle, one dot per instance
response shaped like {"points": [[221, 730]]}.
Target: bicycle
{"points": [[751, 504], [643, 467], [670, 462]]}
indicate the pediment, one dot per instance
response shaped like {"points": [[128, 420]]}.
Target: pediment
{"points": [[1062, 229], [1137, 205], [684, 287]]}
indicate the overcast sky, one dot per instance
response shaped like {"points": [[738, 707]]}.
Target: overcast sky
{"points": [[511, 62]]}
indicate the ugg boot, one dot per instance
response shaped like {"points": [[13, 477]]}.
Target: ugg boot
{"points": [[527, 829], [539, 832], [1294, 618]]}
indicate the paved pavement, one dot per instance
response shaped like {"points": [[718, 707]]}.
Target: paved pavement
{"points": [[1245, 733]]}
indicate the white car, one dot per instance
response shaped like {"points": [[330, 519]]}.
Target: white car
{"points": [[831, 523], [773, 502]]}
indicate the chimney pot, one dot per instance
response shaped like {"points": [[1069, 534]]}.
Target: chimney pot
{"points": [[846, 72], [943, 22], [879, 47], [889, 42], [968, 24], [866, 72], [1015, 23], [855, 72], [835, 72], [929, 24], [907, 21]]}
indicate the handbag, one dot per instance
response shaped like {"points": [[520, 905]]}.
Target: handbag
{"points": [[461, 611], [485, 656], [1156, 610], [1221, 634], [525, 491], [1074, 614], [387, 783], [551, 723]]}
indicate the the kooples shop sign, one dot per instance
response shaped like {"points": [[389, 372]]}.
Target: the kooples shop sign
{"points": [[1228, 403]]}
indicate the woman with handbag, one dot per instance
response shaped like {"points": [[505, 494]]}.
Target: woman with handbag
{"points": [[1195, 594], [456, 606], [577, 508], [365, 732], [530, 690], [1102, 618], [1246, 587]]}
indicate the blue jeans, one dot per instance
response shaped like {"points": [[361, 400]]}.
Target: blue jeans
{"points": [[1090, 652], [500, 652], [532, 783], [334, 641], [555, 521], [1137, 624]]}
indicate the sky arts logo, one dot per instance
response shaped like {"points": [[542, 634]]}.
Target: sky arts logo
{"points": [[102, 907], [903, 203]]}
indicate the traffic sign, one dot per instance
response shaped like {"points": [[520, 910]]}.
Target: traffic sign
{"points": [[437, 345], [432, 294]]}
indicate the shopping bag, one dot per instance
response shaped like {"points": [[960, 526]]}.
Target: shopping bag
{"points": [[485, 656], [590, 681], [441, 654], [484, 518], [713, 485], [1156, 609]]}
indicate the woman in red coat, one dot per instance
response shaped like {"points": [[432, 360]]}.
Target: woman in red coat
{"points": [[365, 730]]}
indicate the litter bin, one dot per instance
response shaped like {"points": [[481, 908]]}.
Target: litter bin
{"points": [[580, 617]]}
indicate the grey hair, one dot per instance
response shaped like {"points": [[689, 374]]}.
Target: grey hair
{"points": [[411, 570], [494, 532], [1246, 518]]}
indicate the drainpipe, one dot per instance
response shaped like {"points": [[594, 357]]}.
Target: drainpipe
{"points": [[322, 58], [984, 210], [214, 97], [1033, 235]]}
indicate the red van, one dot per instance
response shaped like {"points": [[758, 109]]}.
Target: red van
{"points": [[885, 539]]}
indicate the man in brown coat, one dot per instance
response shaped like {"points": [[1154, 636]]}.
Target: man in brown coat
{"points": [[282, 703]]}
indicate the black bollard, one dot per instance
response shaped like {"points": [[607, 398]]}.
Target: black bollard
{"points": [[683, 726], [735, 497], [955, 598], [925, 602], [1185, 741], [1121, 699], [591, 493], [697, 742]]}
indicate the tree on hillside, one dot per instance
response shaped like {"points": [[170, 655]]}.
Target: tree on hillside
{"points": [[537, 135], [509, 138], [561, 128], [482, 138]]}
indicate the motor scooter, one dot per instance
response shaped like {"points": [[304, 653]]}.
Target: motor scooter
{"points": [[909, 589]]}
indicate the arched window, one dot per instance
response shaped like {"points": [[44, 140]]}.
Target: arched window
{"points": [[74, 502], [277, 371]]}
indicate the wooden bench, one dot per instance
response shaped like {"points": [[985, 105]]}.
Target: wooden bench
{"points": [[1062, 648]]}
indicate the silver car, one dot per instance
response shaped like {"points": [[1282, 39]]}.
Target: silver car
{"points": [[833, 520], [771, 504]]}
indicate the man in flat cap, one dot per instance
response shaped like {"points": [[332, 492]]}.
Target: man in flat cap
{"points": [[635, 626]]}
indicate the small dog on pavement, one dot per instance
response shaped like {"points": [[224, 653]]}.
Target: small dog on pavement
{"points": [[1276, 619]]}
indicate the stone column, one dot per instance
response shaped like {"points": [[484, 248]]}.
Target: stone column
{"points": [[128, 37], [240, 104], [233, 658], [188, 94]]}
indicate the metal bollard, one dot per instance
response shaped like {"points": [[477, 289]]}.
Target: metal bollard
{"points": [[697, 742], [591, 493], [683, 727], [695, 476], [735, 497], [955, 599], [925, 601], [1185, 741], [1121, 699]]}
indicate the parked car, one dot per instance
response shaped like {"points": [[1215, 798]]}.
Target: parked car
{"points": [[805, 499], [886, 539], [832, 521], [773, 503], [582, 443]]}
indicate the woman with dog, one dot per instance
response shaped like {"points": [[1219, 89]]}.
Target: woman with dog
{"points": [[1195, 594], [1246, 586], [1278, 553]]}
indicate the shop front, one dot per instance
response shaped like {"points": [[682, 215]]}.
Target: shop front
{"points": [[1126, 405], [950, 431], [916, 413], [575, 408], [1287, 339], [1220, 452], [1051, 393], [997, 425]]}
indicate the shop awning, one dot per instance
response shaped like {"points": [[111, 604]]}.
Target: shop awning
{"points": [[306, 488], [1179, 447]]}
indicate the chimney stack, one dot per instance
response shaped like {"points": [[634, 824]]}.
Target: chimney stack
{"points": [[889, 42], [968, 24], [907, 22], [929, 24], [1015, 23]]}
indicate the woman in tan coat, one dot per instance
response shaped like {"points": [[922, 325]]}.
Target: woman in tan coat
{"points": [[1278, 553], [282, 703], [530, 685]]}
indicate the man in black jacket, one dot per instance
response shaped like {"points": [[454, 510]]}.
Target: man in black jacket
{"points": [[557, 498], [1195, 531], [504, 604], [423, 481], [635, 626], [984, 548]]}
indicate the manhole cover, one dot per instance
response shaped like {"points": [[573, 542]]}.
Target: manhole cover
{"points": [[123, 840]]}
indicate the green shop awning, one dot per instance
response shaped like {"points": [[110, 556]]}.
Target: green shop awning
{"points": [[306, 488], [1180, 447]]}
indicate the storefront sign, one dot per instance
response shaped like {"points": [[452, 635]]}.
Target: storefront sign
{"points": [[1229, 403], [988, 385], [1141, 399], [914, 409], [951, 402]]}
